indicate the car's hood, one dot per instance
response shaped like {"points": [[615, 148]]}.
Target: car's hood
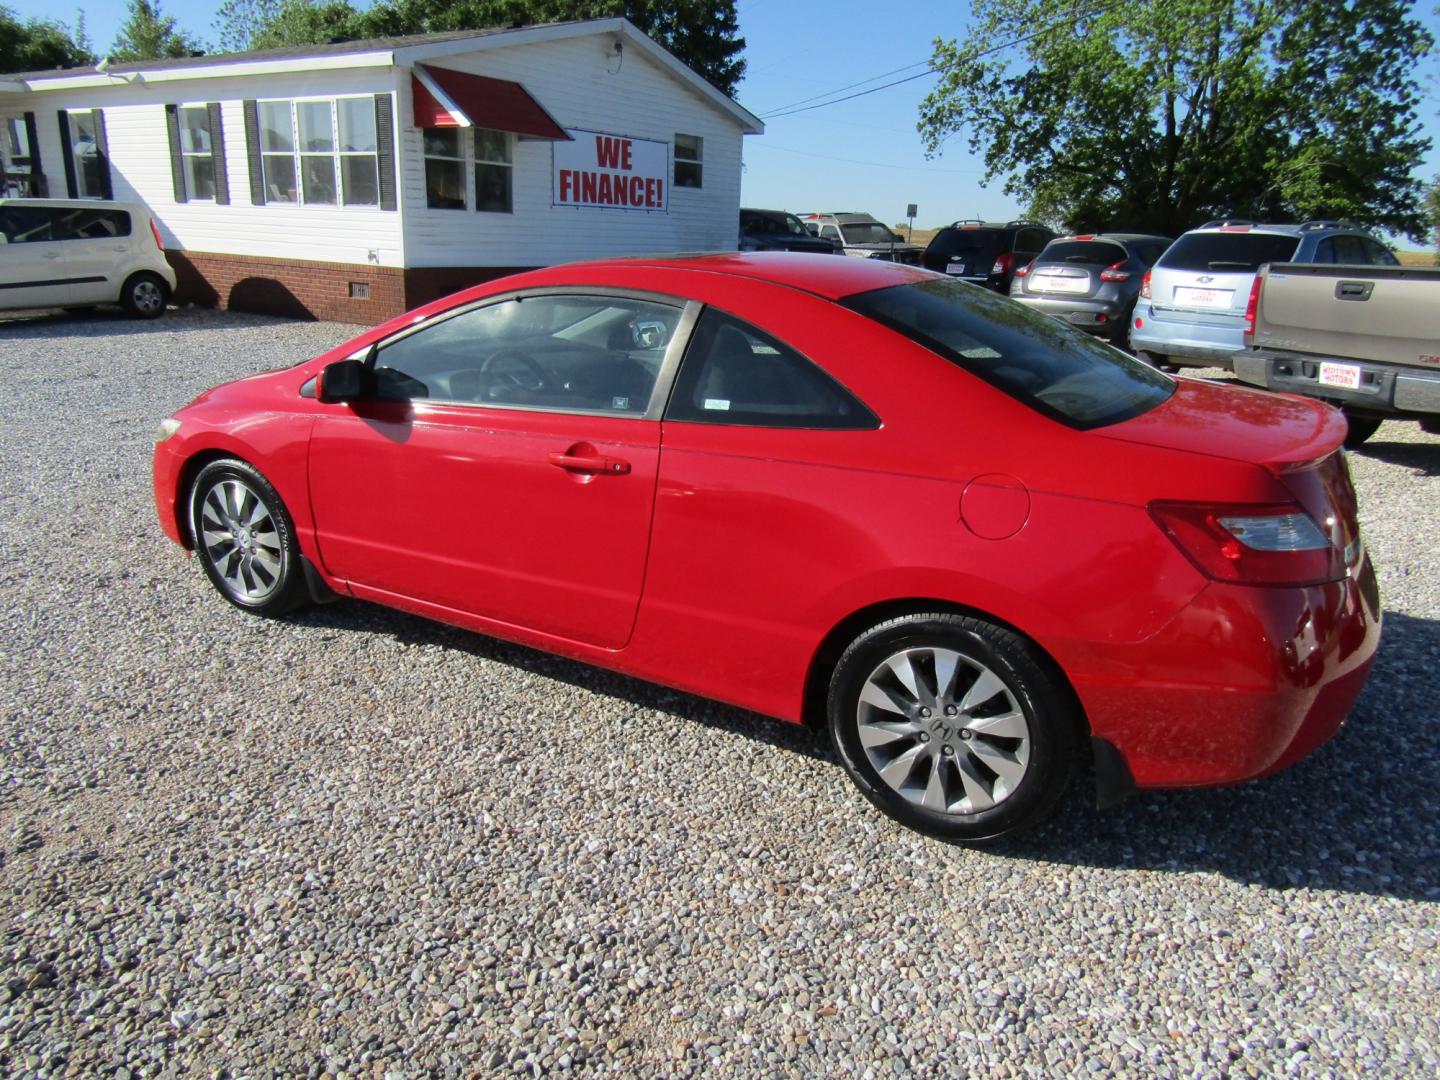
{"points": [[1239, 423]]}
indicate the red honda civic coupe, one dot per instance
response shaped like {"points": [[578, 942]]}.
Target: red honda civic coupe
{"points": [[977, 545]]}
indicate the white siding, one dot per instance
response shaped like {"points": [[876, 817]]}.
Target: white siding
{"points": [[573, 81], [140, 168]]}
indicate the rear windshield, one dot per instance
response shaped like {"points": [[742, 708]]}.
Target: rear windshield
{"points": [[1055, 369], [866, 232], [984, 242], [1235, 252], [1096, 252]]}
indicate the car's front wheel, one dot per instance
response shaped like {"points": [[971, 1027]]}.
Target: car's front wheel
{"points": [[245, 538], [144, 295], [952, 725]]}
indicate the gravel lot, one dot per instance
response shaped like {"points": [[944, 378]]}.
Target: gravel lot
{"points": [[356, 843]]}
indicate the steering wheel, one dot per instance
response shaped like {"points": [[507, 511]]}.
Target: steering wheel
{"points": [[532, 369]]}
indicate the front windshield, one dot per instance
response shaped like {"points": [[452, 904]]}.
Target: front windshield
{"points": [[1054, 368], [866, 232]]}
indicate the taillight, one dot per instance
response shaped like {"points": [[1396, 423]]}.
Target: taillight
{"points": [[1145, 286], [1114, 273], [1251, 306], [1250, 544], [1023, 270], [1003, 264], [156, 233]]}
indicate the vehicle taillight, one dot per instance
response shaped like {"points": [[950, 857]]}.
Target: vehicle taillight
{"points": [[1023, 270], [1251, 307], [1250, 544], [155, 232], [1003, 264], [1114, 273], [1145, 286]]}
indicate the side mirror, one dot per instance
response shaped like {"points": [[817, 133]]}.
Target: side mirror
{"points": [[344, 380]]}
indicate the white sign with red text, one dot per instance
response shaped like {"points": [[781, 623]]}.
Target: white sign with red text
{"points": [[612, 172]]}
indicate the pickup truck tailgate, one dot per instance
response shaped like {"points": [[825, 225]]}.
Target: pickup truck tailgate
{"points": [[1387, 314]]}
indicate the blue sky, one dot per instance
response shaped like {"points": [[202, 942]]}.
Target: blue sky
{"points": [[862, 154]]}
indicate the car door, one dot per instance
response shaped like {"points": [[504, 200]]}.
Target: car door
{"points": [[32, 259], [98, 246], [504, 464]]}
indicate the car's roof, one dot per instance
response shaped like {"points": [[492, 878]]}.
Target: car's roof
{"points": [[823, 275], [1323, 228], [1121, 236], [767, 213]]}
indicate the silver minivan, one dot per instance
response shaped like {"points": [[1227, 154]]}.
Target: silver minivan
{"points": [[80, 252], [1191, 310]]}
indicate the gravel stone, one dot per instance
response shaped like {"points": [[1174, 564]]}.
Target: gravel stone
{"points": [[355, 843]]}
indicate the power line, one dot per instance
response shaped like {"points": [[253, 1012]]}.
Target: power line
{"points": [[842, 89], [849, 97], [857, 161]]}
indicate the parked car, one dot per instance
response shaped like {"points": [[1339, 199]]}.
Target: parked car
{"points": [[779, 230], [986, 252], [1191, 310], [970, 540], [79, 252], [863, 236], [1364, 338], [1090, 280]]}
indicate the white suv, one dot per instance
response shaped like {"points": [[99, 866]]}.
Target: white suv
{"points": [[78, 252]]}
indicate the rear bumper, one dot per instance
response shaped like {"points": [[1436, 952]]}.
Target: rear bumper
{"points": [[1282, 669], [1192, 343], [1384, 390], [1105, 317]]}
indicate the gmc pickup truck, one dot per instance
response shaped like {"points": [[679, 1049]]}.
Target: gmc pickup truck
{"points": [[1365, 338]]}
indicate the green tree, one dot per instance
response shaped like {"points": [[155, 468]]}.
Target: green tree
{"points": [[149, 34], [1432, 215], [1158, 114], [702, 33], [40, 44]]}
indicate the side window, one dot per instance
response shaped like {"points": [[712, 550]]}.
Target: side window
{"points": [[1378, 254], [1350, 250], [736, 374], [1030, 242], [567, 353], [830, 232], [1325, 251], [91, 224], [25, 224]]}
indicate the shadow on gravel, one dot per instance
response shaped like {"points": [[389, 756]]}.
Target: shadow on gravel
{"points": [[1424, 458], [1360, 815], [112, 322]]}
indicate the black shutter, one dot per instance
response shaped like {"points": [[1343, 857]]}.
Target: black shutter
{"points": [[177, 160], [67, 154], [252, 151], [37, 171], [385, 148], [102, 151], [217, 149]]}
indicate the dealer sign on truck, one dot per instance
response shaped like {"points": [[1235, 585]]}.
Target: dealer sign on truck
{"points": [[613, 172]]}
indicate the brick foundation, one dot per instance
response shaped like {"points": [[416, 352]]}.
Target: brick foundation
{"points": [[304, 289]]}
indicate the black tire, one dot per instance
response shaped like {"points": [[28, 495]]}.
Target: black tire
{"points": [[1045, 756], [1361, 428], [145, 295], [245, 539]]}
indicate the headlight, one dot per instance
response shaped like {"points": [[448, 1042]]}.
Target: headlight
{"points": [[168, 427]]}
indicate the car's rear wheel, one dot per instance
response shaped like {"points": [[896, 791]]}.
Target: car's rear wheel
{"points": [[1361, 428], [144, 295], [952, 725], [245, 538]]}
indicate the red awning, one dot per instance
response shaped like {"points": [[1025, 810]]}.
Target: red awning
{"points": [[485, 103]]}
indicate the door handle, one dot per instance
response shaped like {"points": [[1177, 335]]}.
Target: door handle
{"points": [[52, 254], [590, 463], [1354, 290]]}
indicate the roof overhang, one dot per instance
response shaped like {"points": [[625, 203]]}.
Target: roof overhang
{"points": [[445, 98]]}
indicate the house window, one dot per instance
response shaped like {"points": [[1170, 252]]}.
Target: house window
{"points": [[303, 159], [492, 171], [197, 152], [444, 169], [86, 154], [689, 153], [16, 168]]}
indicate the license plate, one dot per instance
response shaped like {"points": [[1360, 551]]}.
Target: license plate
{"points": [[1063, 284], [955, 267], [1204, 298], [1346, 375]]}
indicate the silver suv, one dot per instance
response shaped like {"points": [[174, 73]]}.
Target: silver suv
{"points": [[863, 236], [1191, 310]]}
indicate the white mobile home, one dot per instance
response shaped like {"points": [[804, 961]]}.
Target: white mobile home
{"points": [[356, 179]]}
